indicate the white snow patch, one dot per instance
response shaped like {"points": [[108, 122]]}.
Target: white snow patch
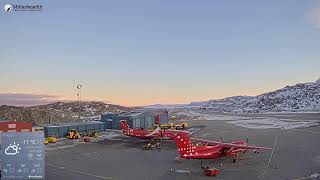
{"points": [[273, 123]]}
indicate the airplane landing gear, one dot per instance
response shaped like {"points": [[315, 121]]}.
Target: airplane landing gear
{"points": [[256, 151], [151, 146], [235, 160]]}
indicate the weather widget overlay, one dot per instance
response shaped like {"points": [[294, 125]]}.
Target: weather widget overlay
{"points": [[22, 155]]}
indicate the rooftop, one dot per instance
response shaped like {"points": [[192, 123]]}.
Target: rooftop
{"points": [[72, 124]]}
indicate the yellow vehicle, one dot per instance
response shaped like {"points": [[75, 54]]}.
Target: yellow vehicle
{"points": [[50, 139], [73, 134], [166, 126], [171, 126], [181, 126]]}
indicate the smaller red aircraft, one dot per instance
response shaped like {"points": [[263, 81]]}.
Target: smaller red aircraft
{"points": [[212, 149], [142, 134]]}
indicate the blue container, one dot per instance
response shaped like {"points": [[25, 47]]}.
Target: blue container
{"points": [[63, 131], [82, 129], [101, 127], [51, 131], [90, 127], [109, 124], [116, 123]]}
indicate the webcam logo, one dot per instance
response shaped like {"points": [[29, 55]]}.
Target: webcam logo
{"points": [[7, 7]]}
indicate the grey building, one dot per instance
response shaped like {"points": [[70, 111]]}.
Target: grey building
{"points": [[61, 129], [136, 119], [141, 118], [161, 115]]}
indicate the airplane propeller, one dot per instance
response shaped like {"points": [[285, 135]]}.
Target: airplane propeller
{"points": [[221, 139], [247, 140]]}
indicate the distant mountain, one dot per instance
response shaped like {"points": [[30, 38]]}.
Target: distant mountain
{"points": [[299, 97], [59, 112], [198, 103], [164, 106]]}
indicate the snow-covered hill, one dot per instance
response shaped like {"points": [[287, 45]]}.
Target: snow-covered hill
{"points": [[299, 97]]}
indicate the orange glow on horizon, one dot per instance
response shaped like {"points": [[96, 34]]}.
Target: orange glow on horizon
{"points": [[137, 97]]}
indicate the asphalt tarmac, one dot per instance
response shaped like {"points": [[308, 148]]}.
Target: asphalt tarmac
{"points": [[296, 156]]}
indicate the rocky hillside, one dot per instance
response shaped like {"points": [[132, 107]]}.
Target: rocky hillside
{"points": [[59, 112], [299, 97]]}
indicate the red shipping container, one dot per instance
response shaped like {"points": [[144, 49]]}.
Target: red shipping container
{"points": [[15, 126]]}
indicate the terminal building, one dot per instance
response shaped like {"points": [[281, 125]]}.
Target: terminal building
{"points": [[137, 119]]}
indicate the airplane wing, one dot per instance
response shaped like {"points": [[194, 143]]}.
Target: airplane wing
{"points": [[212, 143], [241, 146], [232, 145], [177, 131]]}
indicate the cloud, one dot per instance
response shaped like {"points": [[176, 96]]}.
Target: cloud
{"points": [[313, 16], [23, 99]]}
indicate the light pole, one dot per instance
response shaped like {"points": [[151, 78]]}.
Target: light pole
{"points": [[79, 87]]}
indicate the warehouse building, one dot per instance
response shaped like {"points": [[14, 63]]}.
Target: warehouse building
{"points": [[161, 115], [137, 119], [61, 129]]}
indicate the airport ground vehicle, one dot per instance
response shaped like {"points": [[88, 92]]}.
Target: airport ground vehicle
{"points": [[171, 126], [50, 139], [211, 171], [93, 134], [181, 125], [165, 126], [151, 146], [73, 134]]}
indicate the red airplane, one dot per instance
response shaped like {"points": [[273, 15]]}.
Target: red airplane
{"points": [[142, 134], [213, 149]]}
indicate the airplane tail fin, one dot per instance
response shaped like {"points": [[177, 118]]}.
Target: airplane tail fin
{"points": [[124, 126], [184, 144]]}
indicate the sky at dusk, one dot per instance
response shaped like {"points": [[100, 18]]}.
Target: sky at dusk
{"points": [[151, 52]]}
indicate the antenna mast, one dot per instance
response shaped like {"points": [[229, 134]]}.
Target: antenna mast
{"points": [[79, 87]]}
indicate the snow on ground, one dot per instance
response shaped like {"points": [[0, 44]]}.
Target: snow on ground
{"points": [[277, 121], [268, 123], [112, 135]]}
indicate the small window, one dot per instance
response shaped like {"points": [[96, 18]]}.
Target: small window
{"points": [[12, 126]]}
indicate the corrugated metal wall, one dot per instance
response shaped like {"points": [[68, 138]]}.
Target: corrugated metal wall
{"points": [[108, 123], [164, 118], [143, 120], [61, 130]]}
